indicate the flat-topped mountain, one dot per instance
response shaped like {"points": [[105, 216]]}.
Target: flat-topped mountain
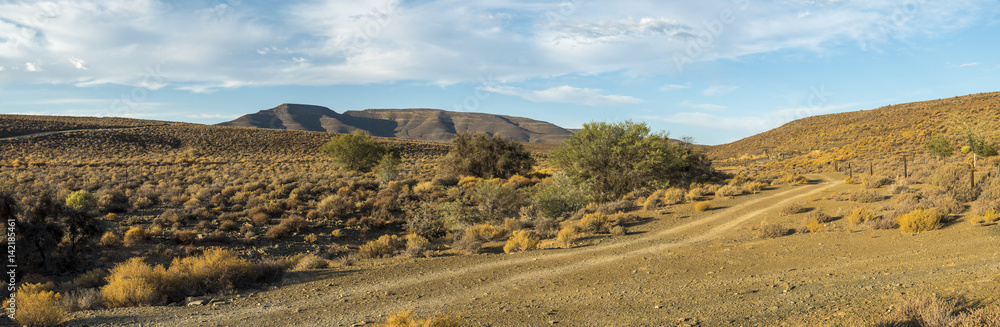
{"points": [[415, 124]]}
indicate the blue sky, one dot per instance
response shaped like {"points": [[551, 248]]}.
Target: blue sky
{"points": [[717, 71]]}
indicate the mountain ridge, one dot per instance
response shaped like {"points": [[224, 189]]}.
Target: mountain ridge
{"points": [[411, 123]]}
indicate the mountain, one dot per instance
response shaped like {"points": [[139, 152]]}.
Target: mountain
{"points": [[415, 124], [902, 129]]}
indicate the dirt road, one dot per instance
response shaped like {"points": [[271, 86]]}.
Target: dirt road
{"points": [[679, 268]]}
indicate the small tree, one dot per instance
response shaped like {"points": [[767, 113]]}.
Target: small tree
{"points": [[355, 151], [617, 158], [979, 147], [940, 146], [486, 156], [387, 169]]}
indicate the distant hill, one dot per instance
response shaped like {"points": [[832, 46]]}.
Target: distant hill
{"points": [[415, 124], [901, 129]]}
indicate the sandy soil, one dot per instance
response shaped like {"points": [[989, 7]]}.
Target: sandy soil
{"points": [[679, 267]]}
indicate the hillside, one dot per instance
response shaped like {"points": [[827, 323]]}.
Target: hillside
{"points": [[890, 130], [415, 124]]}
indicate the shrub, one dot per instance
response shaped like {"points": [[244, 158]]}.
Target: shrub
{"points": [[520, 241], [702, 206], [86, 299], [112, 201], [386, 245], [483, 233], [311, 261], [954, 179], [185, 237], [793, 208], [753, 187], [133, 283], [355, 151], [81, 200], [135, 236], [940, 146], [866, 196], [849, 180], [729, 191], [92, 278], [406, 319], [617, 158], [859, 216], [694, 194], [819, 216], [110, 239], [487, 156], [597, 222], [559, 194], [334, 206], [416, 245], [387, 169], [567, 235], [618, 231], [771, 231], [876, 181], [815, 226], [427, 221], [37, 305], [496, 202], [919, 220]]}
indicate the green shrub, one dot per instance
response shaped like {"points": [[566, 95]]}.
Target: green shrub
{"points": [[940, 146], [356, 151], [81, 200], [559, 194], [496, 202], [617, 158], [487, 156]]}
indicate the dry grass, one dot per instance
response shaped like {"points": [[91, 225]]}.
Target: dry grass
{"points": [[934, 310]]}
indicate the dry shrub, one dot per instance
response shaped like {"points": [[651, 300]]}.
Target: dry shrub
{"points": [[567, 235], [945, 204], [849, 180], [729, 191], [311, 261], [85, 299], [386, 245], [110, 239], [860, 216], [425, 188], [876, 181], [819, 216], [135, 236], [618, 231], [513, 224], [596, 223], [793, 208], [133, 283], [814, 226], [753, 187], [260, 219], [934, 310], [702, 206], [866, 196], [483, 233], [695, 194], [766, 231], [186, 237], [37, 305], [287, 225], [673, 195], [954, 180], [882, 223], [520, 241], [920, 220], [417, 245], [92, 278], [406, 319]]}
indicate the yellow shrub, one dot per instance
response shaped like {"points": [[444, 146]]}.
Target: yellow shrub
{"points": [[848, 180], [469, 181], [384, 245], [311, 238], [135, 236], [520, 241], [814, 226], [729, 191], [753, 187], [595, 223], [37, 305], [110, 239], [567, 235], [425, 188], [406, 319], [133, 283], [860, 215], [919, 220], [702, 206], [484, 233]]}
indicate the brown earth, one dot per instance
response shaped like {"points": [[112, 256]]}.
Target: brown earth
{"points": [[677, 267]]}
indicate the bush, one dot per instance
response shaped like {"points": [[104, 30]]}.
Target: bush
{"points": [[920, 220], [416, 245], [386, 245], [38, 305], [617, 158], [814, 226], [134, 283], [387, 169], [496, 202], [934, 310], [729, 191], [483, 233], [753, 187], [559, 194], [487, 156], [86, 299], [940, 146], [793, 208], [311, 261], [860, 216], [520, 241], [81, 200], [356, 151], [702, 206], [428, 221], [866, 196], [771, 231], [567, 235], [110, 239], [135, 236], [876, 181], [954, 179]]}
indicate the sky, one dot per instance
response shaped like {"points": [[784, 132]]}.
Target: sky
{"points": [[717, 71]]}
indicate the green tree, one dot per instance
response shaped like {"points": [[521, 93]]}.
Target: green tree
{"points": [[617, 158], [486, 156], [940, 146], [980, 146], [355, 151]]}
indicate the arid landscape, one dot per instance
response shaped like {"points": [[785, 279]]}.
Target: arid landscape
{"points": [[885, 217]]}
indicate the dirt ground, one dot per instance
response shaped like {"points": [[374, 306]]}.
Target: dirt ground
{"points": [[678, 267]]}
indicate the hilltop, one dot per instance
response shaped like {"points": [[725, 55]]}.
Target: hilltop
{"points": [[415, 124], [901, 129]]}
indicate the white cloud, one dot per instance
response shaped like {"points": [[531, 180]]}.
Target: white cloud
{"points": [[971, 64], [212, 116], [65, 101], [566, 94], [716, 90], [78, 63], [703, 106], [31, 67], [1, 68], [674, 87]]}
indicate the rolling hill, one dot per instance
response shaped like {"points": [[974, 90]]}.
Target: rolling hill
{"points": [[901, 129], [415, 124]]}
